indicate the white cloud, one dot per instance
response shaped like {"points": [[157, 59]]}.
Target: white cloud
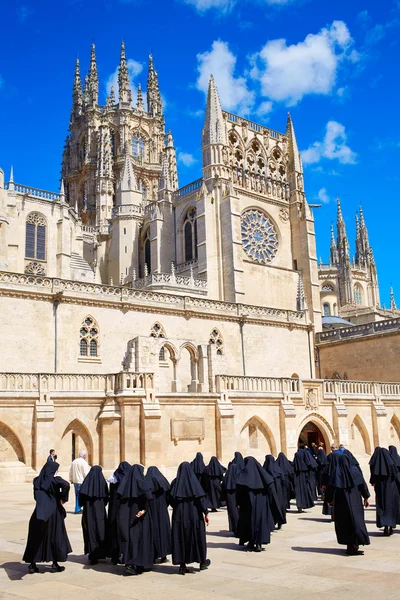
{"points": [[287, 73], [323, 196], [264, 108], [233, 91], [332, 147], [223, 6], [134, 69], [186, 159]]}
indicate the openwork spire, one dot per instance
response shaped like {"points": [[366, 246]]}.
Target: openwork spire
{"points": [[139, 103], [214, 126], [342, 241], [86, 92], [333, 250], [93, 79], [110, 102], [77, 92], [154, 104], [301, 299], [125, 93]]}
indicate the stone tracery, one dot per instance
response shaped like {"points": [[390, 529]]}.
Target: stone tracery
{"points": [[259, 237]]}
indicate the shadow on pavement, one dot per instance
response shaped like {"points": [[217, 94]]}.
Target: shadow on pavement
{"points": [[319, 550]]}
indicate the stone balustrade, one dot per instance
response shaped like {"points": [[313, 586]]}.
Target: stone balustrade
{"points": [[361, 389], [358, 330], [170, 280], [27, 190], [257, 384], [102, 384], [128, 209], [253, 126], [189, 188]]}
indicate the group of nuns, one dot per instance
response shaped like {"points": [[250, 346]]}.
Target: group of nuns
{"points": [[137, 531]]}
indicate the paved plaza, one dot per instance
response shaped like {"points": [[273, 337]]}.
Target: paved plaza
{"points": [[303, 561]]}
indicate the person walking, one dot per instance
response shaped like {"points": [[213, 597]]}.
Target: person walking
{"points": [[93, 497], [52, 455], [47, 537], [346, 492], [77, 473], [385, 479]]}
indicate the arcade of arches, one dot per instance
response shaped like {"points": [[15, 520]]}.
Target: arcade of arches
{"points": [[138, 424]]}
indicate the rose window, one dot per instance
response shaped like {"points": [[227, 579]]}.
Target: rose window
{"points": [[259, 238]]}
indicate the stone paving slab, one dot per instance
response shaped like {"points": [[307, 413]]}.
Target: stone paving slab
{"points": [[302, 561]]}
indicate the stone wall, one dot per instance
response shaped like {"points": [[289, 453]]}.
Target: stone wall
{"points": [[364, 358]]}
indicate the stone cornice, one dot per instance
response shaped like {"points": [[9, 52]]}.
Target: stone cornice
{"points": [[121, 298]]}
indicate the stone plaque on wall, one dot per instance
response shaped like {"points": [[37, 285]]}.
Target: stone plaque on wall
{"points": [[189, 428]]}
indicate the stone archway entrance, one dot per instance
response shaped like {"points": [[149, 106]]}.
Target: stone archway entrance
{"points": [[312, 434]]}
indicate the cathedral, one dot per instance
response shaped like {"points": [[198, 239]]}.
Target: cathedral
{"points": [[145, 321]]}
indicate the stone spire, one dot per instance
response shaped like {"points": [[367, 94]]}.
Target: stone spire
{"points": [[170, 153], [125, 93], [392, 300], [11, 184], [77, 93], [154, 104], [128, 182], [334, 256], [342, 241], [110, 102], [165, 182], [295, 165], [214, 131], [346, 278], [93, 79], [139, 102], [62, 191], [86, 92]]}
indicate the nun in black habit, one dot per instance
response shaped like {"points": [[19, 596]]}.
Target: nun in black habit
{"points": [[395, 457], [198, 466], [47, 536], [253, 489], [134, 521], [277, 498], [304, 480], [189, 516], [345, 491], [238, 460], [212, 480], [113, 538], [93, 498], [386, 481], [322, 462], [288, 475], [158, 508], [229, 495]]}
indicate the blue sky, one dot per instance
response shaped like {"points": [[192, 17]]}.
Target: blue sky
{"points": [[334, 65]]}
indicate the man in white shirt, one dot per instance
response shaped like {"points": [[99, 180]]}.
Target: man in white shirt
{"points": [[77, 473]]}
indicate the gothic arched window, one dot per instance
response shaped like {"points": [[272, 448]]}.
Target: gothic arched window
{"points": [[161, 355], [35, 236], [147, 251], [137, 146], [327, 310], [89, 338], [190, 235], [358, 294], [216, 340]]}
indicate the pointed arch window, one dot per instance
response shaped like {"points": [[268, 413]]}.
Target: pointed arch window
{"points": [[190, 235], [358, 294], [147, 251], [138, 146], [89, 338], [35, 236], [327, 310]]}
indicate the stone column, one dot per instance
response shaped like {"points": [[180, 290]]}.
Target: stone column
{"points": [[44, 420], [110, 440], [225, 429]]}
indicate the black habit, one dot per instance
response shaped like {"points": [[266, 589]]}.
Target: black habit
{"points": [[322, 462], [229, 495], [113, 538], [211, 481], [198, 465], [93, 497], [136, 533], [288, 477], [386, 481], [187, 499], [277, 497], [47, 536], [304, 479], [158, 508], [345, 490], [252, 498]]}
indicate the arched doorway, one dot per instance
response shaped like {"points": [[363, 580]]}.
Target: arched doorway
{"points": [[311, 434]]}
